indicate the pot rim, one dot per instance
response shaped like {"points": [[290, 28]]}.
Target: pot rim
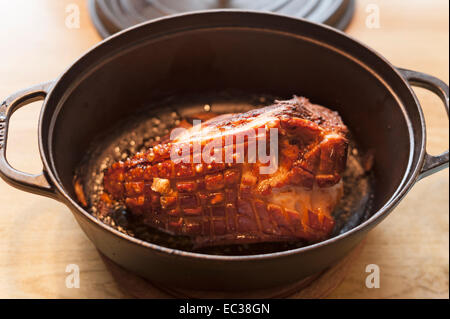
{"points": [[405, 185]]}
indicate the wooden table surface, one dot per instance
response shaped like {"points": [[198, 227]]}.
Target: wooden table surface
{"points": [[39, 237]]}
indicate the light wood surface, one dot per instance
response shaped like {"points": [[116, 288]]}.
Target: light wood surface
{"points": [[39, 237]]}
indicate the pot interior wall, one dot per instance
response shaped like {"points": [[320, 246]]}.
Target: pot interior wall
{"points": [[195, 62]]}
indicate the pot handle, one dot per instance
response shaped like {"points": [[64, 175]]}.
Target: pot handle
{"points": [[431, 164], [39, 183]]}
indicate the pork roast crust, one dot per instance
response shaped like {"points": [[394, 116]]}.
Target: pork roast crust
{"points": [[233, 203]]}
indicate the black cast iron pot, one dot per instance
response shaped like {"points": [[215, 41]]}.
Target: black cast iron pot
{"points": [[253, 52]]}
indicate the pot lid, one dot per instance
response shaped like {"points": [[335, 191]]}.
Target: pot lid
{"points": [[111, 16]]}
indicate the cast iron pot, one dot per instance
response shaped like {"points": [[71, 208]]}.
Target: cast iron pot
{"points": [[249, 51]]}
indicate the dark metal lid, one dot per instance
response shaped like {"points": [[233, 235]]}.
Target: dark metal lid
{"points": [[111, 16]]}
